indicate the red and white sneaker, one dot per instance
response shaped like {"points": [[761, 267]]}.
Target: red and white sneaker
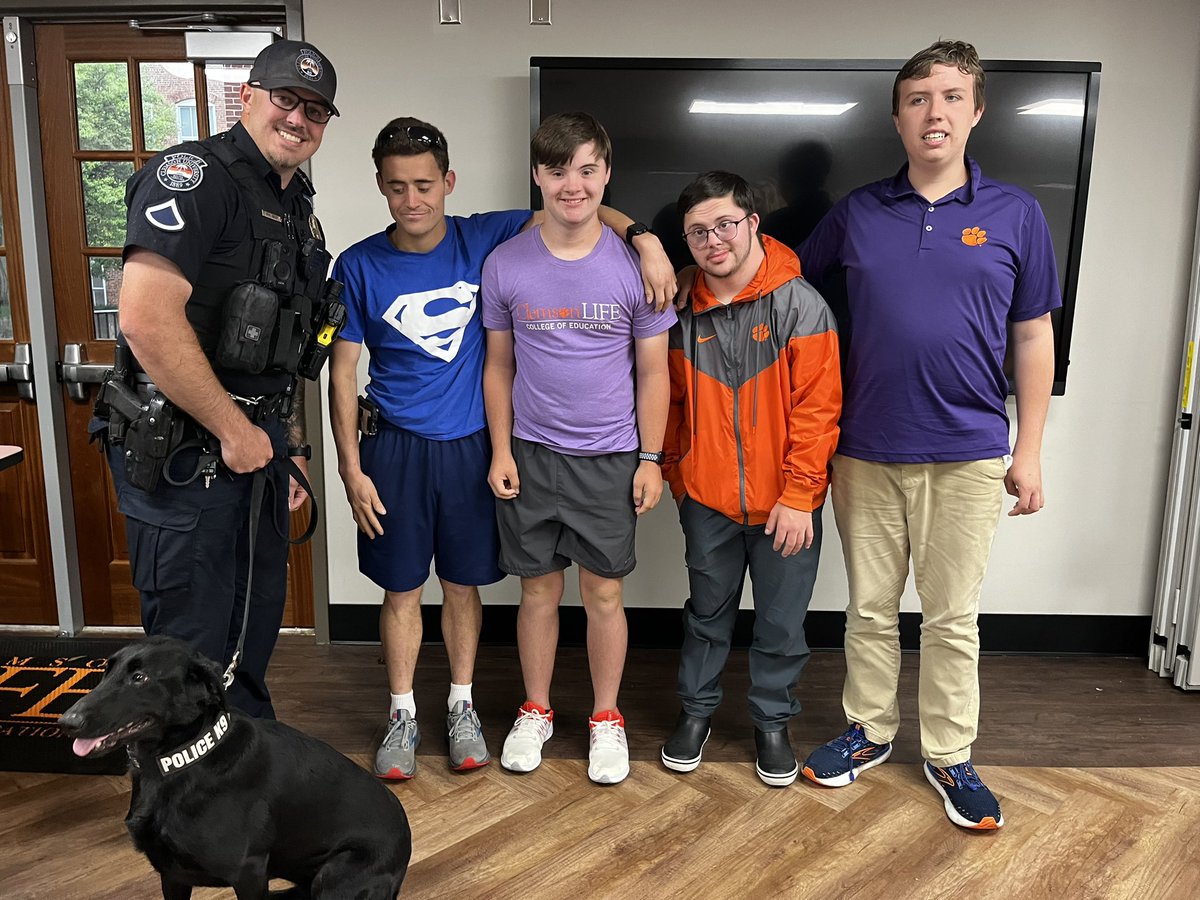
{"points": [[608, 751], [523, 747]]}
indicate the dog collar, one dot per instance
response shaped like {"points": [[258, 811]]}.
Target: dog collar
{"points": [[193, 751]]}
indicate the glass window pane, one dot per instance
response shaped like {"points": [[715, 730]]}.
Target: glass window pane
{"points": [[104, 201], [106, 289], [102, 106], [6, 329], [224, 103], [165, 87]]}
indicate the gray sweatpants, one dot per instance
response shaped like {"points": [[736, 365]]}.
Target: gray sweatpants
{"points": [[719, 552]]}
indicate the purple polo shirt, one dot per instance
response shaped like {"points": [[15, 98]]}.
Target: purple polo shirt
{"points": [[930, 289]]}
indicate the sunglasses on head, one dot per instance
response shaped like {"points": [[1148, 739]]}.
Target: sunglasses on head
{"points": [[415, 134]]}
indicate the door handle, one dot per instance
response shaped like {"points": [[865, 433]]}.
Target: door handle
{"points": [[75, 371], [19, 371]]}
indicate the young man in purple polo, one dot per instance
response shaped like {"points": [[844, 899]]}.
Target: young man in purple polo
{"points": [[939, 261], [576, 389]]}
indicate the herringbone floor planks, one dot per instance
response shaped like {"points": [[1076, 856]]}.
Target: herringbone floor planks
{"points": [[1127, 830], [715, 833]]}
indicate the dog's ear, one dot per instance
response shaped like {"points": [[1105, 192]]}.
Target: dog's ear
{"points": [[204, 671]]}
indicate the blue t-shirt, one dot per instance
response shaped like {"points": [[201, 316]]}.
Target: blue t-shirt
{"points": [[417, 314], [930, 288]]}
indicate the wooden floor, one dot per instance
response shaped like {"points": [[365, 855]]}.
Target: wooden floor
{"points": [[1095, 762]]}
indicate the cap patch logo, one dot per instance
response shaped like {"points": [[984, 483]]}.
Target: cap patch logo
{"points": [[165, 216], [308, 64], [181, 171]]}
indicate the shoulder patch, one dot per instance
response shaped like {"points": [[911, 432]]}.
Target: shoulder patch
{"points": [[165, 216], [181, 171]]}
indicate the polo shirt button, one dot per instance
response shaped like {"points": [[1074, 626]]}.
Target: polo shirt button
{"points": [[931, 209], [929, 228]]}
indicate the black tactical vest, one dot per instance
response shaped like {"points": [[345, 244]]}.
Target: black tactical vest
{"points": [[286, 253]]}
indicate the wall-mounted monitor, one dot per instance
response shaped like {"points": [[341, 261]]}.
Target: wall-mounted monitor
{"points": [[806, 132]]}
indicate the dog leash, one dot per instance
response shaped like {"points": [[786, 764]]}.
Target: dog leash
{"points": [[257, 492]]}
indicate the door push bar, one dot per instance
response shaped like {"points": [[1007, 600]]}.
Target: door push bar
{"points": [[19, 371], [75, 371]]}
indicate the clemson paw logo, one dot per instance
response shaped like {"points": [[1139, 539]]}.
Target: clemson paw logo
{"points": [[974, 237], [760, 332]]}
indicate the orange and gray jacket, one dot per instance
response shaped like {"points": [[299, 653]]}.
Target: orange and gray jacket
{"points": [[756, 394]]}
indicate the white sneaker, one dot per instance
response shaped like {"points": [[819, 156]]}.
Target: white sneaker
{"points": [[608, 753], [523, 747]]}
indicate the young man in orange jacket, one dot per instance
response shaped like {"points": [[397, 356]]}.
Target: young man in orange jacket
{"points": [[755, 399]]}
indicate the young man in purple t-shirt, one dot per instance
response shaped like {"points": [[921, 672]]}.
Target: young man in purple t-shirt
{"points": [[576, 435], [938, 261]]}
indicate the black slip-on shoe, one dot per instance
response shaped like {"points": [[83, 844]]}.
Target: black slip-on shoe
{"points": [[681, 752], [776, 763]]}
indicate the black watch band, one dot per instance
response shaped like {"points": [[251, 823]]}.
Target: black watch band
{"points": [[648, 456], [634, 230], [304, 450]]}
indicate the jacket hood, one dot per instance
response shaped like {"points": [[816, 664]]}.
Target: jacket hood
{"points": [[779, 266]]}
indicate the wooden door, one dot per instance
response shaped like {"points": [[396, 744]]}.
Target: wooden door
{"points": [[26, 578], [109, 98]]}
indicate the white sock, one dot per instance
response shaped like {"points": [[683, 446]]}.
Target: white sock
{"points": [[458, 692], [404, 701]]}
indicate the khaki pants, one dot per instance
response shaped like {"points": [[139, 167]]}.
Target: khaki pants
{"points": [[943, 516]]}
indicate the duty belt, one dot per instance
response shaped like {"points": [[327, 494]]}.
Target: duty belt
{"points": [[257, 409]]}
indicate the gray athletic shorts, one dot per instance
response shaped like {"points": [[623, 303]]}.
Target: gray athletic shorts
{"points": [[571, 508]]}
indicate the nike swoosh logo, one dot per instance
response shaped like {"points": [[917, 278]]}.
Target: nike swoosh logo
{"points": [[701, 340]]}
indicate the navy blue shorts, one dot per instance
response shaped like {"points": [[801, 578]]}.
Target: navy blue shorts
{"points": [[439, 508]]}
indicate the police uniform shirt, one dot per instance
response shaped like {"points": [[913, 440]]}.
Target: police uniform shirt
{"points": [[188, 209]]}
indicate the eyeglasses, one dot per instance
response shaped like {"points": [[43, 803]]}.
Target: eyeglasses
{"points": [[317, 113], [698, 237], [415, 134]]}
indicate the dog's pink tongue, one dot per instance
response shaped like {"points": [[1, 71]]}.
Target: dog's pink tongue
{"points": [[84, 746]]}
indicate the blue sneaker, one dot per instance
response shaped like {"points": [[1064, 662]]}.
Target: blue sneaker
{"points": [[844, 758], [967, 799]]}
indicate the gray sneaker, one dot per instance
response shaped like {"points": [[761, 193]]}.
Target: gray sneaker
{"points": [[396, 759], [467, 747]]}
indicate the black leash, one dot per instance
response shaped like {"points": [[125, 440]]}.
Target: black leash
{"points": [[257, 493]]}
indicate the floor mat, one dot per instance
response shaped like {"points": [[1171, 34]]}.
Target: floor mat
{"points": [[40, 679]]}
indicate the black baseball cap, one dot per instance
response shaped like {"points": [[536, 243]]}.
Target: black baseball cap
{"points": [[295, 64]]}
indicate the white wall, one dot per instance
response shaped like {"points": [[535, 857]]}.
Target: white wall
{"points": [[1094, 548]]}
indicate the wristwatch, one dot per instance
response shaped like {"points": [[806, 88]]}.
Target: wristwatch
{"points": [[651, 456], [634, 230], [304, 450]]}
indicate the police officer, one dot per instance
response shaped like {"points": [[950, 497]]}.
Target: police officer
{"points": [[224, 260]]}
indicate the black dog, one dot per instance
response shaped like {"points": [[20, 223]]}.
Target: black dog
{"points": [[220, 799]]}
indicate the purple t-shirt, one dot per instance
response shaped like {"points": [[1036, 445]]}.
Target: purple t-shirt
{"points": [[929, 296], [574, 322]]}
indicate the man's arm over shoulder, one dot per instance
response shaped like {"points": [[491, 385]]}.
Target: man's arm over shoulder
{"points": [[491, 229], [821, 252], [658, 275]]}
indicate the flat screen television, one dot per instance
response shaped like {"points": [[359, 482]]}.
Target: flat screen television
{"points": [[806, 132]]}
